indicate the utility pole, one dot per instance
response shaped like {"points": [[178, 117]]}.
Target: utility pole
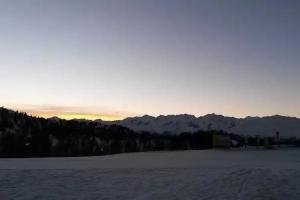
{"points": [[277, 139]]}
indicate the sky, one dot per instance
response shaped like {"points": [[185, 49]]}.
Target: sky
{"points": [[112, 59]]}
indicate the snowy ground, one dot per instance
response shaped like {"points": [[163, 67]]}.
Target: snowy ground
{"points": [[206, 174]]}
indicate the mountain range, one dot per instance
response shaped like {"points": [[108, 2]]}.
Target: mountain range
{"points": [[175, 124]]}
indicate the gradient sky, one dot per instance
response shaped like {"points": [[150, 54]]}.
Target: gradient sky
{"points": [[115, 58]]}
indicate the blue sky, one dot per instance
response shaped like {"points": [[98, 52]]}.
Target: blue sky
{"points": [[122, 58]]}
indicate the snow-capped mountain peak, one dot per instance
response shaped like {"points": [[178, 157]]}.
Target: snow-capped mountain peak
{"points": [[287, 126]]}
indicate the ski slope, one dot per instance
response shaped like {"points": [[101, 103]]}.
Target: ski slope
{"points": [[205, 174]]}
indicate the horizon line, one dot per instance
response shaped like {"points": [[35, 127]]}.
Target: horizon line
{"points": [[111, 117]]}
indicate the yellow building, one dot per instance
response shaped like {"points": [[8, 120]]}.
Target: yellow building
{"points": [[221, 141]]}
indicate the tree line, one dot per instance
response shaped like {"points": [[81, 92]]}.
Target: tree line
{"points": [[22, 135]]}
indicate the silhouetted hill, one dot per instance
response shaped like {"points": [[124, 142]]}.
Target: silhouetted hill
{"points": [[26, 136]]}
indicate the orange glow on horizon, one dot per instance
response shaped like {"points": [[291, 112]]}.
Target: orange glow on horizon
{"points": [[69, 116], [69, 112]]}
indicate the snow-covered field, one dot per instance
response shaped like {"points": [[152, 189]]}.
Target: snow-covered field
{"points": [[205, 174]]}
